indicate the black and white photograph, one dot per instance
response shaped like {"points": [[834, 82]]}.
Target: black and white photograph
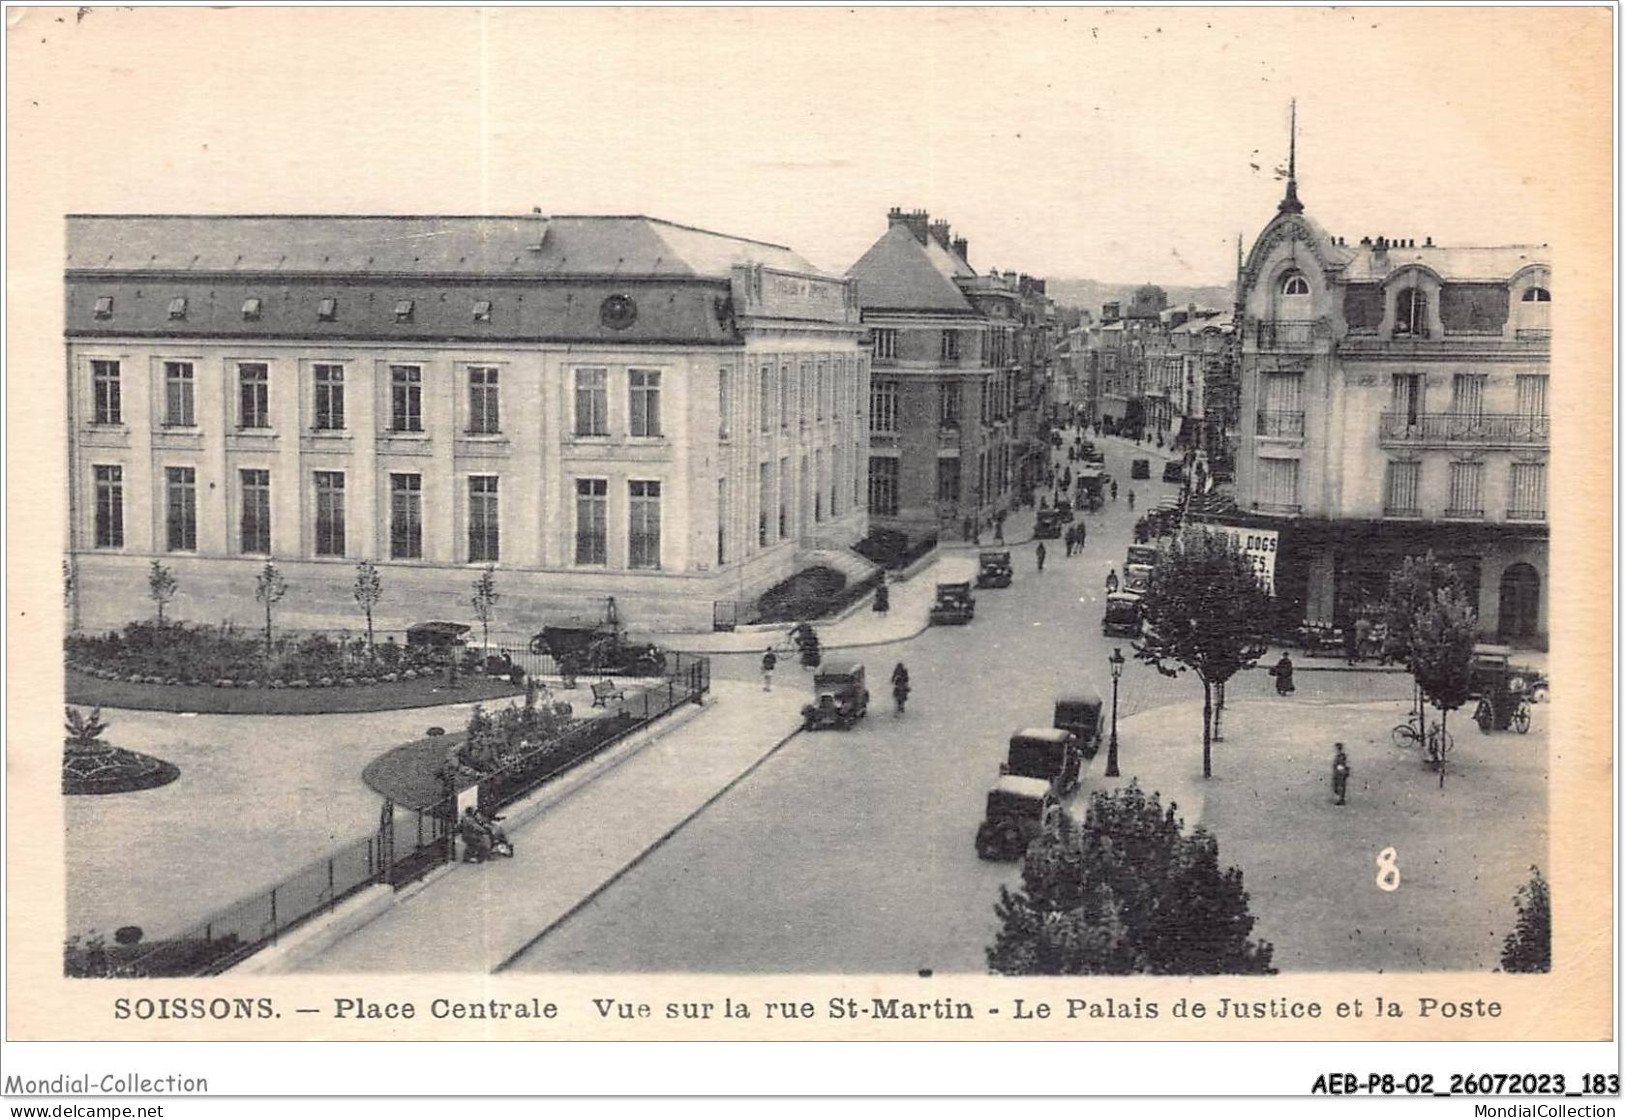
{"points": [[856, 524]]}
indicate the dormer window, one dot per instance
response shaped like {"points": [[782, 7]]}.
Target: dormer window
{"points": [[1411, 314], [104, 307], [1295, 285], [177, 307], [327, 311], [403, 311], [1537, 295], [251, 309], [482, 311]]}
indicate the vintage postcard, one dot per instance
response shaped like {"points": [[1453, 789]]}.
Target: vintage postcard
{"points": [[810, 525]]}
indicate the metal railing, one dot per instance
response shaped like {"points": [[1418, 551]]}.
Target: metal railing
{"points": [[1465, 514], [1401, 511], [1283, 333], [240, 930], [1526, 515], [1538, 336], [1291, 508], [1450, 427], [1275, 422]]}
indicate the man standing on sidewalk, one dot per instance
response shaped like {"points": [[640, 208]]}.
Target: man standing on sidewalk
{"points": [[1040, 555], [1340, 775], [770, 661]]}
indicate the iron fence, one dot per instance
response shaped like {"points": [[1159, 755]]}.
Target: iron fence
{"points": [[240, 930]]}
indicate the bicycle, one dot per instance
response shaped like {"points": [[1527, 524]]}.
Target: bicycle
{"points": [[1435, 743]]}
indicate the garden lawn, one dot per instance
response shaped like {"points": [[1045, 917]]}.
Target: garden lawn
{"points": [[1311, 866], [425, 692], [258, 798]]}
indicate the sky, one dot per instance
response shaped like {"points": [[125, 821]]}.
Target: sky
{"points": [[1117, 144]]}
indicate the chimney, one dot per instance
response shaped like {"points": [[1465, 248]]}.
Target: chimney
{"points": [[1428, 244], [915, 220], [962, 249], [939, 234]]}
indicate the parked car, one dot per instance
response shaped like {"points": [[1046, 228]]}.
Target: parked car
{"points": [[955, 603], [1122, 617], [994, 569], [840, 697], [442, 637], [1140, 468], [586, 647], [1079, 712], [1049, 753], [1048, 525], [1137, 578], [1141, 554], [1063, 507], [1018, 811]]}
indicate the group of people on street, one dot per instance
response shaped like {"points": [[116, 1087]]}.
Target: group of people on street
{"points": [[482, 836], [1075, 537]]}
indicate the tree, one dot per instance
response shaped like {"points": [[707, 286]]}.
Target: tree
{"points": [[269, 588], [1126, 892], [1410, 588], [85, 732], [161, 587], [484, 601], [1442, 635], [1528, 948], [1205, 611], [369, 588], [1147, 302]]}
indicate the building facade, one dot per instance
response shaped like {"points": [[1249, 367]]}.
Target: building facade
{"points": [[954, 397], [1394, 401], [597, 406]]}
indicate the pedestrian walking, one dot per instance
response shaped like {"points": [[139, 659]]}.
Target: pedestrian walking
{"points": [[1131, 497], [1282, 672], [998, 527], [1114, 489], [1340, 775], [1083, 535], [1041, 555], [770, 661], [1111, 582]]}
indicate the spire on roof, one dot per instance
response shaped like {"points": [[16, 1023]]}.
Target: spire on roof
{"points": [[1290, 204]]}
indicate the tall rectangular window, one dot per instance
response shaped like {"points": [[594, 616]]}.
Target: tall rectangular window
{"points": [[722, 521], [948, 480], [255, 522], [109, 506], [883, 406], [178, 410], [643, 536], [883, 486], [484, 402], [784, 498], [180, 492], [1466, 490], [644, 386], [592, 402], [950, 346], [592, 521], [821, 390], [764, 398], [1403, 489], [1467, 395], [724, 400], [1278, 484], [253, 395], [1526, 500], [804, 392], [1531, 389], [109, 405], [329, 397], [484, 543], [949, 414], [405, 399], [885, 342], [787, 375], [764, 501], [329, 513], [818, 485], [406, 517], [1406, 398]]}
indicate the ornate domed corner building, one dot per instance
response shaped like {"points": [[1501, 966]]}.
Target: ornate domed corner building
{"points": [[1394, 401]]}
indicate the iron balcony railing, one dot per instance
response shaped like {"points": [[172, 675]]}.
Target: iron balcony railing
{"points": [[1526, 515], [1401, 511], [1275, 422], [1465, 514], [1284, 333], [1441, 428], [1291, 509]]}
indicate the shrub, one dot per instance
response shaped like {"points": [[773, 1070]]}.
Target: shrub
{"points": [[1528, 948]]}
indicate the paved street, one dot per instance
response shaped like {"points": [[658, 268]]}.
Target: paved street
{"points": [[854, 852]]}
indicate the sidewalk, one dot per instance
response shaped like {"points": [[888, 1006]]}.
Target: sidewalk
{"points": [[478, 917]]}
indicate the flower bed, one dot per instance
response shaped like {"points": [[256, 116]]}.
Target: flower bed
{"points": [[426, 691], [114, 770]]}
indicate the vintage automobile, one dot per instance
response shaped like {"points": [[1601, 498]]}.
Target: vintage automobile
{"points": [[1064, 508], [1079, 713], [1122, 617], [993, 569], [1048, 525], [1173, 471], [1091, 488], [1136, 578], [444, 637], [580, 646], [1018, 811], [1502, 692], [1141, 554], [1049, 753], [1140, 468], [955, 603], [841, 697]]}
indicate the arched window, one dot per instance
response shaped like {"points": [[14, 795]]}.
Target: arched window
{"points": [[1537, 295], [1411, 313], [1295, 285]]}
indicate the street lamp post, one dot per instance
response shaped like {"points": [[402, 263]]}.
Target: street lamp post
{"points": [[1116, 661]]}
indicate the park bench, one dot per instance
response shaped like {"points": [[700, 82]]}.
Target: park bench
{"points": [[604, 691]]}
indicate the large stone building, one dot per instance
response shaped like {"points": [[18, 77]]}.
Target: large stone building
{"points": [[598, 406], [1394, 400], [957, 379]]}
